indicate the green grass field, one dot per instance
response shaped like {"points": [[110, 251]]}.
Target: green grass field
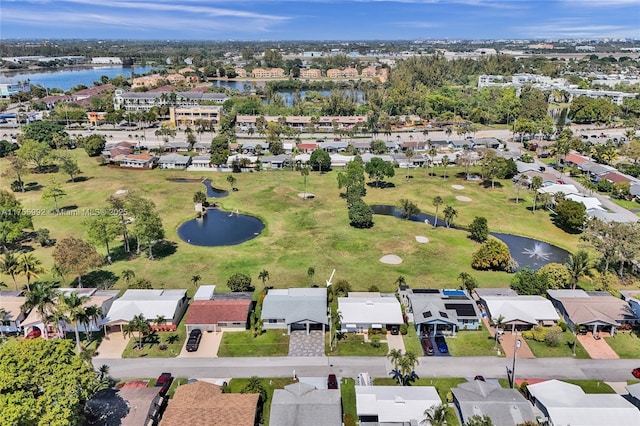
{"points": [[354, 345], [299, 233], [626, 345], [151, 344], [242, 343], [472, 343], [411, 341], [564, 349]]}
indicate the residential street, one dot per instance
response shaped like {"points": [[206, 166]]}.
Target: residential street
{"points": [[558, 368]]}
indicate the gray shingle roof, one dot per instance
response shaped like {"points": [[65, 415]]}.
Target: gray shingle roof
{"points": [[301, 404], [296, 304]]}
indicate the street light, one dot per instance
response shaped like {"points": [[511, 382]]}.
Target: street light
{"points": [[513, 369]]}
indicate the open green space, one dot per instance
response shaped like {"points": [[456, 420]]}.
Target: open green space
{"points": [[157, 344], [472, 343], [269, 384], [348, 394], [626, 345], [354, 345], [242, 343], [564, 348], [411, 341], [592, 386], [299, 233]]}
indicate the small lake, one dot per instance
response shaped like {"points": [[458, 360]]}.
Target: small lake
{"points": [[220, 228], [212, 191], [528, 252]]}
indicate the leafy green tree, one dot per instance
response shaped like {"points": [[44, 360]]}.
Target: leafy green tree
{"points": [[492, 255], [6, 148], [557, 275], [436, 415], [16, 167], [10, 265], [341, 288], [77, 256], [360, 215], [103, 228], [13, 220], [44, 383], [529, 282], [378, 147], [239, 282], [72, 307], [147, 226], [536, 183], [30, 267], [200, 197], [467, 282], [254, 385], [477, 420], [127, 275], [437, 202], [449, 213], [570, 215], [118, 205], [379, 169], [38, 153], [479, 230], [43, 131], [53, 191], [264, 277], [403, 366], [232, 181], [320, 160], [408, 208], [140, 325], [69, 165]]}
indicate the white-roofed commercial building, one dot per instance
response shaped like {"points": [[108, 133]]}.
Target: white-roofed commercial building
{"points": [[362, 311], [394, 405]]}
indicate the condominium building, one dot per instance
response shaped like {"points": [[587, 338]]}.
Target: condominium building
{"points": [[345, 73], [310, 73], [144, 101], [188, 116], [268, 73]]}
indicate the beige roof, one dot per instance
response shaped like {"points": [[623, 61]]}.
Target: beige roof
{"points": [[204, 404], [12, 305], [606, 309], [97, 299]]}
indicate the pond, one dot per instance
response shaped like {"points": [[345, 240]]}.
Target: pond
{"points": [[212, 191], [528, 252], [220, 228]]}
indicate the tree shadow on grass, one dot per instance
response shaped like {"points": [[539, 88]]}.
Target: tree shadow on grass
{"points": [[381, 185], [164, 249], [80, 179], [101, 279], [32, 186], [487, 184]]}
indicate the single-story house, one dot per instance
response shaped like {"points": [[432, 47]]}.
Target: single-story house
{"points": [[596, 310], [366, 158], [11, 304], [606, 216], [202, 147], [174, 161], [151, 304], [302, 404], [573, 159], [334, 146], [177, 146], [276, 161], [505, 407], [590, 203], [128, 406], [103, 299], [394, 405], [633, 298], [211, 315], [200, 162], [238, 157], [557, 187], [520, 312], [139, 161], [339, 160], [364, 310], [248, 147], [595, 169], [565, 404], [491, 143], [614, 177], [295, 309], [307, 147], [203, 404], [440, 311]]}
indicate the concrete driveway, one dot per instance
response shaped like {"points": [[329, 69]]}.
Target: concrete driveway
{"points": [[597, 349], [112, 346], [209, 345], [396, 342]]}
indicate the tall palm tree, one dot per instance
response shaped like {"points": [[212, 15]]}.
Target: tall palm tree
{"points": [[92, 314], [395, 356], [137, 325], [42, 297], [578, 264], [30, 267], [127, 275], [10, 265], [436, 415], [264, 276], [449, 214], [437, 201], [72, 305], [195, 279], [536, 183]]}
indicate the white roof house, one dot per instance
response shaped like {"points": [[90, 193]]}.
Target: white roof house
{"points": [[205, 292], [556, 187], [521, 310], [152, 303], [369, 310], [566, 404], [590, 203], [395, 404]]}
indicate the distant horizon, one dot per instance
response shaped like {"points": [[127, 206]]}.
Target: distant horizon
{"points": [[319, 20]]}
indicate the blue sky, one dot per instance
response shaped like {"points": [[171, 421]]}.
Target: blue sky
{"points": [[319, 19]]}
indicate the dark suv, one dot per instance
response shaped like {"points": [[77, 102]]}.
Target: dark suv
{"points": [[194, 340]]}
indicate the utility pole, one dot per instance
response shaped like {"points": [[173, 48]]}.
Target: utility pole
{"points": [[516, 346]]}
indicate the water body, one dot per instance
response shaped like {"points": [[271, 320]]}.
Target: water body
{"points": [[220, 228], [68, 78], [528, 252]]}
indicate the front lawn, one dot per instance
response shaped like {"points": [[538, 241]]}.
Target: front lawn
{"points": [[472, 343], [348, 394], [592, 386], [269, 384], [157, 344], [242, 343], [411, 341], [564, 348], [354, 345], [626, 345]]}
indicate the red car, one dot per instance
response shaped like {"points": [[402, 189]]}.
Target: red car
{"points": [[34, 334], [332, 382], [164, 381], [636, 373]]}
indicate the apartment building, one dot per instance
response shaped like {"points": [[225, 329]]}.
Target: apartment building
{"points": [[268, 73], [310, 73], [188, 116], [144, 101]]}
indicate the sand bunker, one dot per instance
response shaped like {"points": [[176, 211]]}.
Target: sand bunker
{"points": [[458, 187], [421, 239], [463, 198], [391, 259]]}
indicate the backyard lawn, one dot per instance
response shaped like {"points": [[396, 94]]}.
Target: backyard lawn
{"points": [[472, 343], [269, 384], [564, 349], [354, 345], [626, 345], [299, 234], [242, 343]]}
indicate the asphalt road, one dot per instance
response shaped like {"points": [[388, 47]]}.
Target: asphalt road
{"points": [[490, 367]]}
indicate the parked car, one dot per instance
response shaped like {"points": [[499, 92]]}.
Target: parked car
{"points": [[332, 382], [34, 334], [542, 168], [427, 346], [164, 382], [636, 373], [395, 330], [194, 340], [441, 343]]}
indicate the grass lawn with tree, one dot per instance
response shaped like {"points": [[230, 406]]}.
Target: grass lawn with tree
{"points": [[348, 394], [354, 345], [269, 384], [563, 349], [298, 233], [242, 343], [411, 341]]}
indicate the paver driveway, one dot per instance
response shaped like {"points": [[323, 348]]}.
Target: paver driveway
{"points": [[112, 346], [303, 344], [597, 349]]}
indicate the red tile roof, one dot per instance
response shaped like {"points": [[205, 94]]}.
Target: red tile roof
{"points": [[307, 146], [215, 311], [615, 177], [575, 159]]}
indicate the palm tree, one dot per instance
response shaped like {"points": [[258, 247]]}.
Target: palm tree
{"points": [[578, 264], [395, 356], [449, 214], [401, 280], [92, 314], [137, 325], [536, 183], [30, 267], [409, 154], [42, 297], [436, 415], [127, 275], [159, 320], [264, 276], [304, 171], [195, 279], [103, 372], [437, 201], [72, 306], [232, 181], [10, 265], [444, 162]]}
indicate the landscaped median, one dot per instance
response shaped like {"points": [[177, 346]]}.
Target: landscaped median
{"points": [[243, 344]]}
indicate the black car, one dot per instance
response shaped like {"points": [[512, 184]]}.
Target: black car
{"points": [[332, 382], [194, 340]]}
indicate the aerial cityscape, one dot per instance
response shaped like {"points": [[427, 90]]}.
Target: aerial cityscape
{"points": [[321, 213]]}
